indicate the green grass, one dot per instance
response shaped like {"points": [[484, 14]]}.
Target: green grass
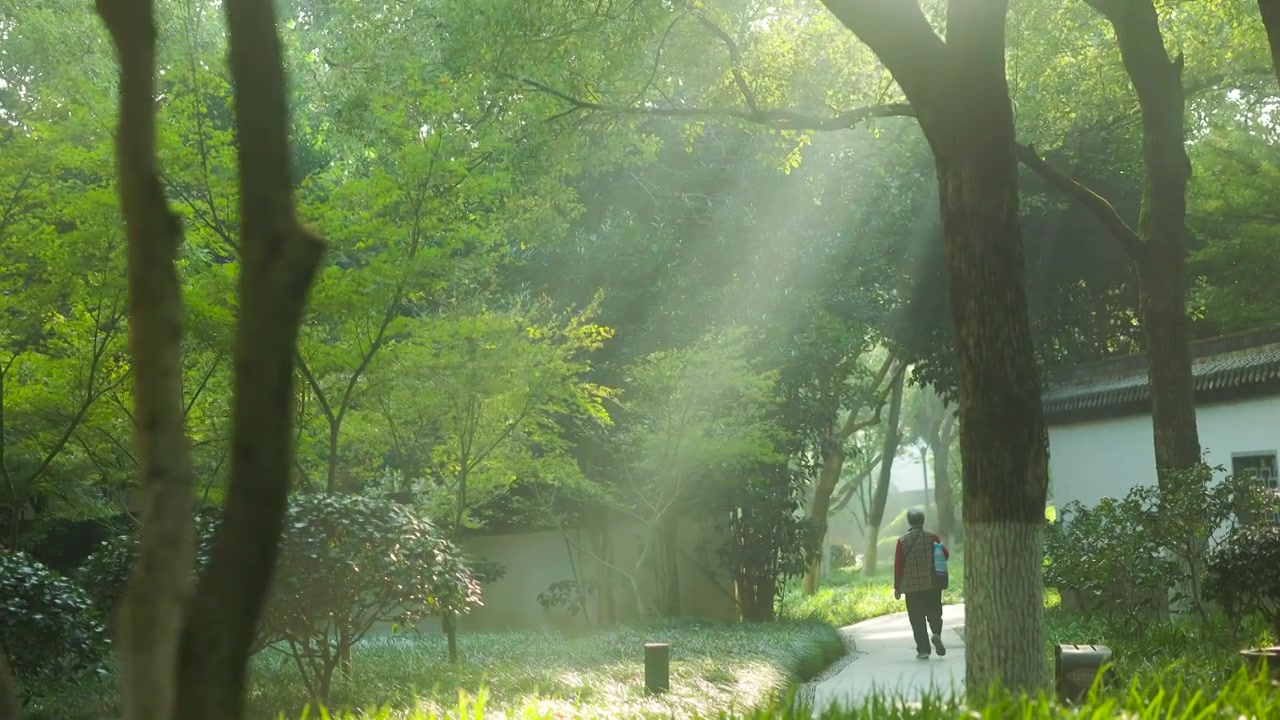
{"points": [[713, 668], [846, 597]]}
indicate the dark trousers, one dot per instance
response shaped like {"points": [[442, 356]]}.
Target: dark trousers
{"points": [[924, 607]]}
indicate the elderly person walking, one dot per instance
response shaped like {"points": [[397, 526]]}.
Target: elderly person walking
{"points": [[916, 576]]}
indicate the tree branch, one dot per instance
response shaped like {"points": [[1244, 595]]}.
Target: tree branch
{"points": [[777, 119], [900, 35], [1099, 206], [851, 424]]}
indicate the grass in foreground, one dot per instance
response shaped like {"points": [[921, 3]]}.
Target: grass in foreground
{"points": [[527, 674]]}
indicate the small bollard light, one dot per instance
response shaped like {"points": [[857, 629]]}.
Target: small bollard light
{"points": [[657, 668], [1076, 666]]}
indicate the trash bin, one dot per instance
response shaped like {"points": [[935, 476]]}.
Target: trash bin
{"points": [[1076, 666]]}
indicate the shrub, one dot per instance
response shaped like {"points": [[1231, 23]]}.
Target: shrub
{"points": [[105, 573], [1124, 556], [46, 621], [1105, 556], [348, 563], [1244, 576], [843, 556]]}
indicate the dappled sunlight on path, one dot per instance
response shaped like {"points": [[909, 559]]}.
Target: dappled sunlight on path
{"points": [[884, 663]]}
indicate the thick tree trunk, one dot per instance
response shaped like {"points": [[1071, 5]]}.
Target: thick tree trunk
{"points": [[1003, 439], [892, 436], [151, 614], [279, 260], [1162, 227], [1270, 10], [960, 95], [820, 508], [1162, 303]]}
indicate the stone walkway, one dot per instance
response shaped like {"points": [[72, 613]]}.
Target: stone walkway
{"points": [[884, 662]]}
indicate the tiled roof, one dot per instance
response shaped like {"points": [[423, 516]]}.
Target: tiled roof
{"points": [[1231, 362]]}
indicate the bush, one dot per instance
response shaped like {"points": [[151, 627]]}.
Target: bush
{"points": [[105, 573], [348, 563], [1105, 555], [1244, 577], [46, 622], [843, 556], [1125, 556]]}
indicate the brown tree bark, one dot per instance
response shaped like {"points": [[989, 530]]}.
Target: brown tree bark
{"points": [[1159, 245], [960, 97], [892, 436], [279, 261], [151, 613], [179, 660], [1270, 11], [833, 457]]}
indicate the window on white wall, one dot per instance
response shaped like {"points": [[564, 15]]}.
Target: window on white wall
{"points": [[1262, 467]]}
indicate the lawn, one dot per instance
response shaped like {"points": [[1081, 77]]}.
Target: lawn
{"points": [[713, 668], [846, 597]]}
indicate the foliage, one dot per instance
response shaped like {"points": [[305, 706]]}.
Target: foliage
{"points": [[698, 428], [1178, 647], [843, 556], [1242, 575], [1105, 555], [349, 562], [47, 624], [1128, 556], [568, 594], [105, 573]]}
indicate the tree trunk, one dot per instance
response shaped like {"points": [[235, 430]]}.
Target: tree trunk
{"points": [[892, 435], [670, 537], [279, 260], [1270, 10], [331, 467], [820, 508], [151, 613], [1162, 302], [1160, 243], [10, 706], [960, 96], [1162, 227], [946, 513], [871, 554], [940, 444]]}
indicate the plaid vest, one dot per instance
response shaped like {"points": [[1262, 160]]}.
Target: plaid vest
{"points": [[917, 561]]}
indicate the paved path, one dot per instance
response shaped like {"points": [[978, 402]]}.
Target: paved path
{"points": [[885, 661]]}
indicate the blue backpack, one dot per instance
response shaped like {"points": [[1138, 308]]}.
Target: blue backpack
{"points": [[940, 575]]}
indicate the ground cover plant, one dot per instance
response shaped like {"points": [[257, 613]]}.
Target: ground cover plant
{"points": [[713, 668]]}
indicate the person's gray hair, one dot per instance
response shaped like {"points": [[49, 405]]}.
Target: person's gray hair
{"points": [[915, 518]]}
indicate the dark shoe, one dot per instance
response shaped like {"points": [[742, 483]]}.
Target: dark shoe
{"points": [[938, 647], [922, 656]]}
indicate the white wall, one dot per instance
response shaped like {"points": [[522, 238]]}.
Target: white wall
{"points": [[1092, 460]]}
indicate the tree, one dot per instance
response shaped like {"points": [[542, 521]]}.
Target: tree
{"points": [[1159, 246], [960, 97], [695, 418], [931, 420], [889, 451]]}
